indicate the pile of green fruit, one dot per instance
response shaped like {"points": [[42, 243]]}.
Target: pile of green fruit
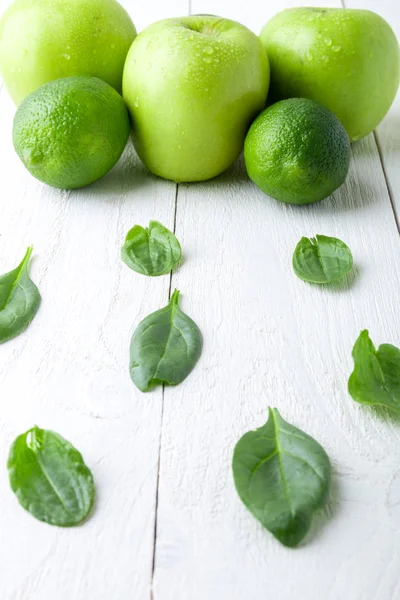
{"points": [[193, 86], [194, 93]]}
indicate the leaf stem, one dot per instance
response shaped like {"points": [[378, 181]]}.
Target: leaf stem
{"points": [[175, 298], [27, 256], [25, 261]]}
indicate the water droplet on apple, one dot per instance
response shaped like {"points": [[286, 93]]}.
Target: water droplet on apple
{"points": [[208, 50], [216, 60], [136, 103], [309, 56], [336, 48], [207, 59], [328, 41], [206, 89], [325, 58], [113, 46], [179, 147], [67, 56]]}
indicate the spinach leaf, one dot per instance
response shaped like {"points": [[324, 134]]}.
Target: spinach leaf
{"points": [[322, 259], [19, 300], [165, 347], [376, 375], [49, 478], [283, 476], [151, 251]]}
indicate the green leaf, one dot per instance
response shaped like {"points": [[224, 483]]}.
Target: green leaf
{"points": [[19, 300], [49, 478], [322, 259], [165, 347], [283, 476], [152, 251], [376, 375]]}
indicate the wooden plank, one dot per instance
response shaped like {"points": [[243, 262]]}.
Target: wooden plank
{"points": [[69, 371], [271, 339], [388, 132]]}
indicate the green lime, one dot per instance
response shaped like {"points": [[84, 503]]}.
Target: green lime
{"points": [[71, 131], [297, 151]]}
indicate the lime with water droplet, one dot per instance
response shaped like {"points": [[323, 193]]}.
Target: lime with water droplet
{"points": [[71, 131], [297, 151]]}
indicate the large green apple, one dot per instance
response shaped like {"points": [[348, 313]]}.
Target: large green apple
{"points": [[193, 86], [42, 40], [346, 59]]}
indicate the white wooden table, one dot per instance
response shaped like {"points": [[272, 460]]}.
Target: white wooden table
{"points": [[168, 523]]}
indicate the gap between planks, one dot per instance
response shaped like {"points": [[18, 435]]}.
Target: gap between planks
{"points": [[380, 155], [153, 565], [388, 187], [397, 222]]}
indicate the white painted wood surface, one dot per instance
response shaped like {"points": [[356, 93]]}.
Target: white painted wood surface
{"points": [[269, 339], [388, 132]]}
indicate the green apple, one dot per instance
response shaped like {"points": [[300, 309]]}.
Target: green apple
{"points": [[43, 40], [346, 59], [193, 85]]}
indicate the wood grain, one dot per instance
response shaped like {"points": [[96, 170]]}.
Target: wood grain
{"points": [[69, 371], [388, 132], [269, 339]]}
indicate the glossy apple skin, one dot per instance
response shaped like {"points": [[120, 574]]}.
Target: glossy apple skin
{"points": [[43, 40], [346, 59], [193, 86]]}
